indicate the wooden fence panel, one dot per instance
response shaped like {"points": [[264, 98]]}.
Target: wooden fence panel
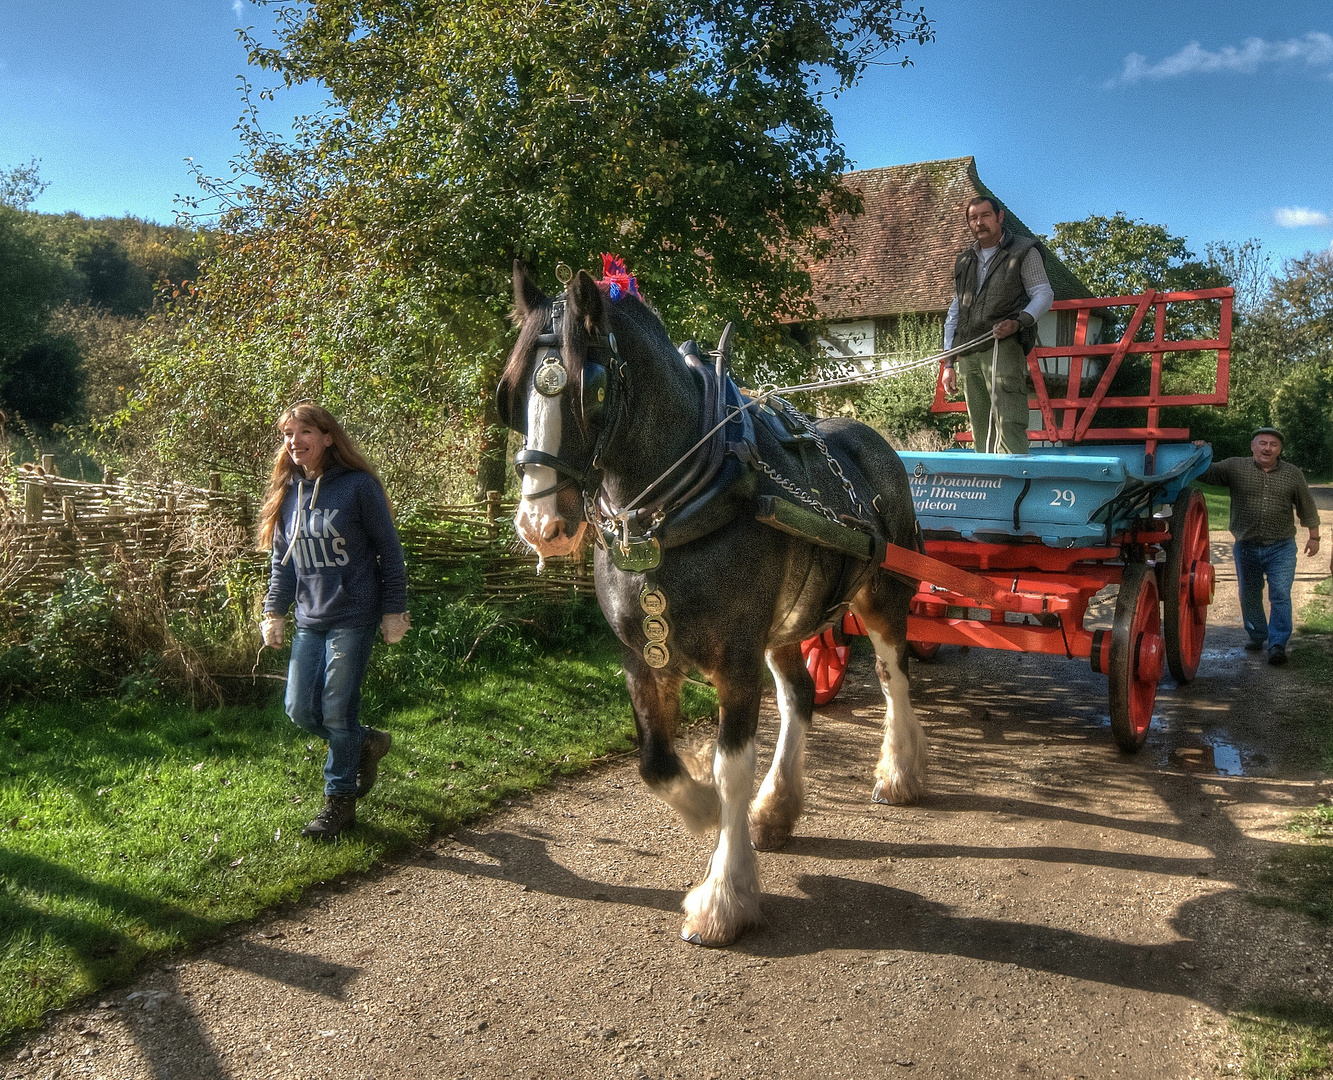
{"points": [[64, 524]]}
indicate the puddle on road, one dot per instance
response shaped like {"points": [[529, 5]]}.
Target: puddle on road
{"points": [[1208, 750], [1212, 751], [1236, 652]]}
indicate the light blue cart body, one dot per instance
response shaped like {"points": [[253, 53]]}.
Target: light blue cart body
{"points": [[1067, 496]]}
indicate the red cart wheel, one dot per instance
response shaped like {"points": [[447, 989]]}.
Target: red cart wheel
{"points": [[1135, 663], [1187, 584], [826, 660], [924, 651]]}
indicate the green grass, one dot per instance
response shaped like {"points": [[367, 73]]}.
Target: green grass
{"points": [[130, 830], [1287, 1039], [1300, 875], [1219, 505], [1317, 616]]}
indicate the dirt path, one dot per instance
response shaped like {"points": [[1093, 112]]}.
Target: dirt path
{"points": [[1052, 909]]}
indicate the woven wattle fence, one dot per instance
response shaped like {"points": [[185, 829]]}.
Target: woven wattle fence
{"points": [[50, 525]]}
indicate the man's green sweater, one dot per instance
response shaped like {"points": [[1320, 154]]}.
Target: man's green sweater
{"points": [[1261, 502]]}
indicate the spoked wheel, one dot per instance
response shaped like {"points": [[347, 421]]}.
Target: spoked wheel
{"points": [[924, 651], [1135, 663], [826, 660], [1187, 584]]}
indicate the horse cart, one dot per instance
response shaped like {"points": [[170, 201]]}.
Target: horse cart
{"points": [[1014, 548]]}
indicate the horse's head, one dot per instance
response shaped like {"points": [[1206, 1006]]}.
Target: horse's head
{"points": [[556, 392]]}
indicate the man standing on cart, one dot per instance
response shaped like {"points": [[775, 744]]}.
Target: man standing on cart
{"points": [[1000, 283], [1264, 490]]}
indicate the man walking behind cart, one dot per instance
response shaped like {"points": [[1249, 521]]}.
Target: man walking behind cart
{"points": [[1264, 490], [999, 282]]}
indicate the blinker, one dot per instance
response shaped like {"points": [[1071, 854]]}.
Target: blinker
{"points": [[595, 380]]}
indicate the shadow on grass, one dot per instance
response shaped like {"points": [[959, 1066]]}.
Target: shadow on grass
{"points": [[1285, 1039]]}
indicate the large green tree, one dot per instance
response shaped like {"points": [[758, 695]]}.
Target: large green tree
{"points": [[692, 138], [1122, 256]]}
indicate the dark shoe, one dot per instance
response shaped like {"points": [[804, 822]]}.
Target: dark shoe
{"points": [[338, 815], [1277, 656], [1253, 646], [373, 747]]}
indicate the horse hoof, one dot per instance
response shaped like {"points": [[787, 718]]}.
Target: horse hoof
{"points": [[878, 794], [697, 938], [769, 837]]}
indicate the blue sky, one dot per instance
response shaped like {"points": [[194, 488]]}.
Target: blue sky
{"points": [[1212, 118]]}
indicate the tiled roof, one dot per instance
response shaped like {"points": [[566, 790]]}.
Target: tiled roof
{"points": [[897, 256]]}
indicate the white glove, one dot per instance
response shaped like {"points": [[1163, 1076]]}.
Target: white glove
{"points": [[393, 627], [272, 628]]}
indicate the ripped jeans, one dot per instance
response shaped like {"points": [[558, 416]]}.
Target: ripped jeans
{"points": [[324, 696]]}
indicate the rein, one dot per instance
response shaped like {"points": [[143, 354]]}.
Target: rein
{"points": [[550, 378], [761, 397]]}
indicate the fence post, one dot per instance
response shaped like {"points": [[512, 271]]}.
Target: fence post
{"points": [[492, 512], [34, 498], [69, 511], [49, 465]]}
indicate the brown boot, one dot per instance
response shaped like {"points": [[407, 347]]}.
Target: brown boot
{"points": [[373, 747], [338, 815]]}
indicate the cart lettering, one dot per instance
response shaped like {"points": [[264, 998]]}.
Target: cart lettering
{"points": [[1063, 496]]}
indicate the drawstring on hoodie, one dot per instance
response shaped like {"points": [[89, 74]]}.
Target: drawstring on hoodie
{"points": [[296, 518]]}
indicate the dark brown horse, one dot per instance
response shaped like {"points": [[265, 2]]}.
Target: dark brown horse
{"points": [[607, 404]]}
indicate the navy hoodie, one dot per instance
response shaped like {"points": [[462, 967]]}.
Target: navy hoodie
{"points": [[345, 567]]}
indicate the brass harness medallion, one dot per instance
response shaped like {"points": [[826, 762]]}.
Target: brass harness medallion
{"points": [[655, 627]]}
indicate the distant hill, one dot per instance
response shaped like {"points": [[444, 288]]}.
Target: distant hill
{"points": [[73, 292]]}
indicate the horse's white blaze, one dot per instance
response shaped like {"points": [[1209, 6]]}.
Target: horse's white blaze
{"points": [[728, 899], [538, 521], [781, 795], [901, 771]]}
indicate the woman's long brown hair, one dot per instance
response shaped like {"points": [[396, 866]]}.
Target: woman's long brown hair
{"points": [[343, 452]]}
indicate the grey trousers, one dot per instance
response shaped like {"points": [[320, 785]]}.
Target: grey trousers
{"points": [[1010, 394]]}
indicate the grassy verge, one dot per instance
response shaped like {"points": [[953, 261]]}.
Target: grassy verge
{"points": [[1290, 1039], [1219, 505], [127, 830]]}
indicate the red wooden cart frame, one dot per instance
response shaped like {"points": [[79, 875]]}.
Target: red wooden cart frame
{"points": [[1069, 419]]}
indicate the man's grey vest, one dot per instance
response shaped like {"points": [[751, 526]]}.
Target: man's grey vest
{"points": [[1001, 296]]}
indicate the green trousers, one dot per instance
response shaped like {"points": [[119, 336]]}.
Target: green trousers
{"points": [[1010, 394]]}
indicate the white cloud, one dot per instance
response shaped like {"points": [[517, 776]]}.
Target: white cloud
{"points": [[1314, 50], [238, 6], [1294, 217]]}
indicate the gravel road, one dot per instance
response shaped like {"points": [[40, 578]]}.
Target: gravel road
{"points": [[1053, 909]]}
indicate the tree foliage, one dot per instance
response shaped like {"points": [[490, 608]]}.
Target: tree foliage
{"points": [[691, 138], [20, 186], [1122, 256]]}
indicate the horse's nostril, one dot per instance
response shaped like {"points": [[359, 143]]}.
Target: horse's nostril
{"points": [[553, 528]]}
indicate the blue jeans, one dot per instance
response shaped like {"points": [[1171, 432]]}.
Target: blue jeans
{"points": [[324, 696], [1277, 562]]}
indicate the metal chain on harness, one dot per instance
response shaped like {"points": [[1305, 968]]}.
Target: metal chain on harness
{"points": [[834, 467]]}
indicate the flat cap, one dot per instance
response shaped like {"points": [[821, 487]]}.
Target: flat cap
{"points": [[1268, 431]]}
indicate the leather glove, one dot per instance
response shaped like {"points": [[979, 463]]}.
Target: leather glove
{"points": [[272, 629], [393, 627]]}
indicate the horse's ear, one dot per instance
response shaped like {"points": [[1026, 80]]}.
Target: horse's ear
{"points": [[526, 295], [586, 299]]}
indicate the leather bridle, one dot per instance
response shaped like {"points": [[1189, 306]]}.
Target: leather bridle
{"points": [[604, 391]]}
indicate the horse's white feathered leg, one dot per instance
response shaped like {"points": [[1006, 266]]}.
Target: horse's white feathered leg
{"points": [[901, 773], [694, 800], [781, 797], [727, 901]]}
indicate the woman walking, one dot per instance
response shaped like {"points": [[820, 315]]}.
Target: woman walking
{"points": [[336, 553]]}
